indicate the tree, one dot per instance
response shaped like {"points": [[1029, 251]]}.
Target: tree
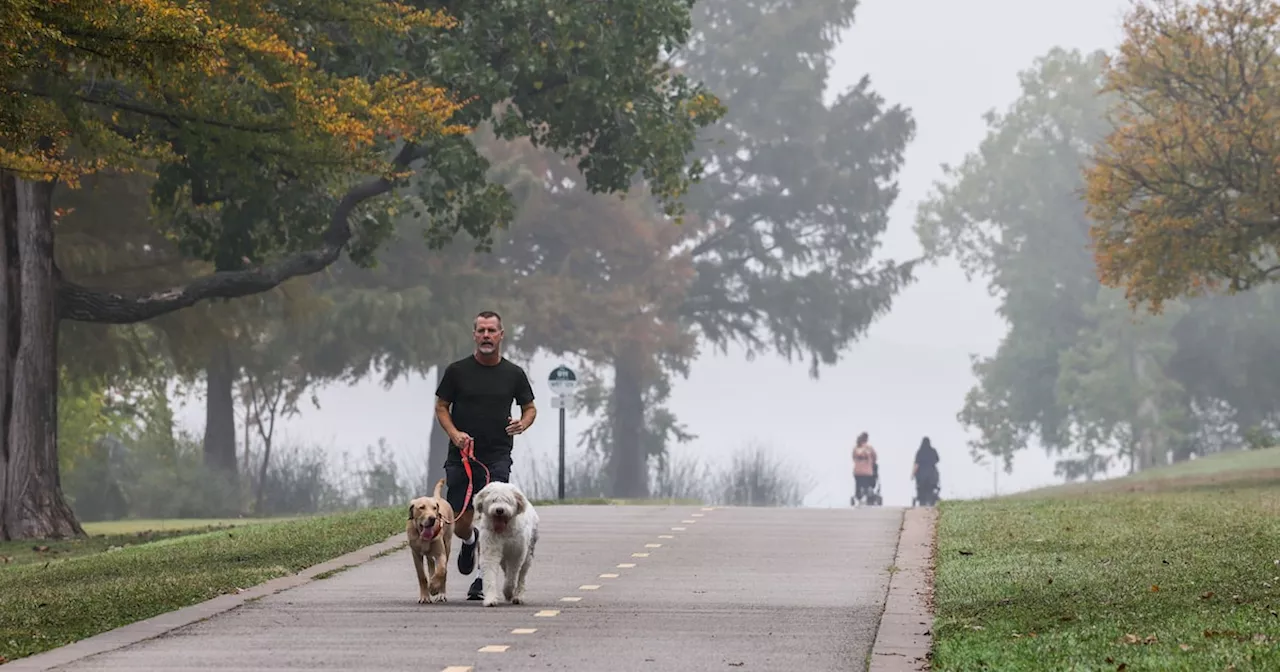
{"points": [[1228, 360], [129, 85], [1011, 212], [781, 230], [1115, 386], [1183, 191], [610, 297]]}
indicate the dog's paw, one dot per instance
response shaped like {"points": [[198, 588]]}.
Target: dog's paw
{"points": [[517, 599], [490, 602], [423, 599], [439, 597]]}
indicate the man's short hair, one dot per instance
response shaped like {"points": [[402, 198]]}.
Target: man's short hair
{"points": [[487, 313]]}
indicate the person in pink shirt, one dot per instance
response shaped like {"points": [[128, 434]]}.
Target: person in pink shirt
{"points": [[865, 468]]}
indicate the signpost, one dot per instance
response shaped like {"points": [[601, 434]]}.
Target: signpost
{"points": [[563, 383]]}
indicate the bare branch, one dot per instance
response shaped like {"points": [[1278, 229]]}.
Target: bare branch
{"points": [[83, 304]]}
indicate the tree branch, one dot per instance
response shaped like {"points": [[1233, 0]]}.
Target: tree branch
{"points": [[83, 304]]}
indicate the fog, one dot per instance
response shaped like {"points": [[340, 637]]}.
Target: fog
{"points": [[948, 62]]}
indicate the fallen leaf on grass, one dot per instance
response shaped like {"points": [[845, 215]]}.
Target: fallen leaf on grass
{"points": [[1184, 647], [1155, 589], [1206, 596], [1136, 639], [966, 552]]}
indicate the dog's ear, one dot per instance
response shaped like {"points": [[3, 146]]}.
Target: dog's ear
{"points": [[477, 502], [410, 510], [520, 503]]}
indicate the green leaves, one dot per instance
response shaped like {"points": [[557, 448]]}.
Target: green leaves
{"points": [[1010, 212], [798, 191]]}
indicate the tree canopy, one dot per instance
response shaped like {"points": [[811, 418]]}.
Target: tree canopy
{"points": [[1184, 192], [282, 135], [1010, 212]]}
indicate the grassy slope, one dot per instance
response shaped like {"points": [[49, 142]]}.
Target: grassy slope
{"points": [[46, 605], [1172, 570], [116, 534]]}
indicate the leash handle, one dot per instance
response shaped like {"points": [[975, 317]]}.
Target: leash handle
{"points": [[468, 456]]}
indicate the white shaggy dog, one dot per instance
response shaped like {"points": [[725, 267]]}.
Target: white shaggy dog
{"points": [[508, 534]]}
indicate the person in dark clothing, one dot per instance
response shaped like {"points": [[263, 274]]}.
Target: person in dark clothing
{"points": [[925, 472], [473, 407]]}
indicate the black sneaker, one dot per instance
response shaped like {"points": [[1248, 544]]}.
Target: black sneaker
{"points": [[467, 558], [476, 591]]}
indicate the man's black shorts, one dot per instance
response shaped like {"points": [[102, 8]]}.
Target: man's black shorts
{"points": [[455, 480]]}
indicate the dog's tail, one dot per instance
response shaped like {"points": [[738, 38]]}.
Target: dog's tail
{"points": [[439, 488]]}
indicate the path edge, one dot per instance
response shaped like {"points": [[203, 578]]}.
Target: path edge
{"points": [[905, 636], [138, 631]]}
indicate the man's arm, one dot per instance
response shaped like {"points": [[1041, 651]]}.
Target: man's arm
{"points": [[445, 419], [446, 390], [527, 413], [524, 397]]}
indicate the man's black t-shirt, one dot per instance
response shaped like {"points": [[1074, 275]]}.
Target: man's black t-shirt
{"points": [[481, 399]]}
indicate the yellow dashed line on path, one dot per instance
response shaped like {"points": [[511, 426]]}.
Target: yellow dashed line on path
{"points": [[524, 631], [688, 522], [458, 668], [493, 648], [589, 586], [697, 515], [708, 508], [547, 613], [639, 555], [679, 529], [666, 536], [608, 576], [653, 545], [627, 565], [571, 599]]}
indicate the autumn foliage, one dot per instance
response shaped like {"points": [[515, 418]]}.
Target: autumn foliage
{"points": [[95, 84], [1185, 192]]}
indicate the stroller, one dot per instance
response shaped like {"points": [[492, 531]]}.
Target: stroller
{"points": [[872, 495], [931, 497]]}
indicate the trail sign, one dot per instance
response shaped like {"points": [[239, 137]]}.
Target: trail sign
{"points": [[563, 380], [563, 383]]}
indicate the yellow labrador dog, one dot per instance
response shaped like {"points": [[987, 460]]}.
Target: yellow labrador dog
{"points": [[430, 532]]}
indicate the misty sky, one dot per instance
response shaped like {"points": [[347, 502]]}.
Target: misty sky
{"points": [[949, 62]]}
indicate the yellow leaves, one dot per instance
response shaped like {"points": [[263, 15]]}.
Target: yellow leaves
{"points": [[139, 69], [1184, 188]]}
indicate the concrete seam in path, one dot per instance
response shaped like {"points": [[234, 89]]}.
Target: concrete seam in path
{"points": [[155, 626], [905, 635]]}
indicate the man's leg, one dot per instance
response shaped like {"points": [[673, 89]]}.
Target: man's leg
{"points": [[456, 483], [463, 529]]}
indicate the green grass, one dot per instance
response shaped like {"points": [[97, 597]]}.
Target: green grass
{"points": [[135, 526], [1115, 575], [46, 605], [104, 536]]}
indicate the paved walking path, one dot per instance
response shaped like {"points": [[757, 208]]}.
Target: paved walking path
{"points": [[613, 589]]}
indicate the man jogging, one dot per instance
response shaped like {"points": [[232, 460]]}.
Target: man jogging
{"points": [[473, 407]]}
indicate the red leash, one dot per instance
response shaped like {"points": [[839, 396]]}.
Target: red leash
{"points": [[469, 456]]}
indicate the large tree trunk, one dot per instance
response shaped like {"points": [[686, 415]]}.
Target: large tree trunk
{"points": [[437, 440], [220, 414], [31, 500], [628, 463]]}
